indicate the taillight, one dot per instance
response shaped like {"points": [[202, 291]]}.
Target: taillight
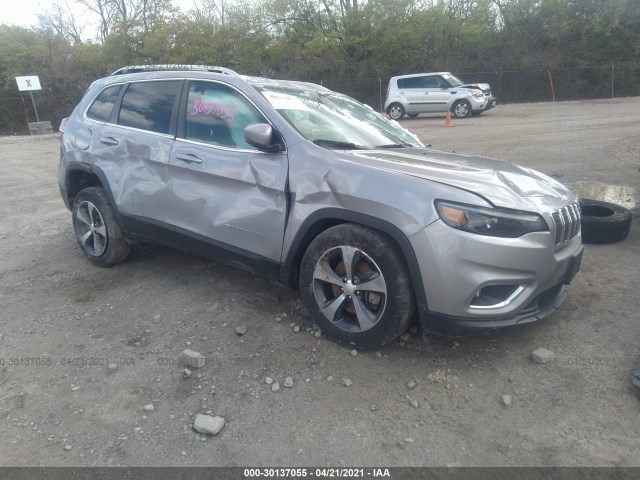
{"points": [[63, 125]]}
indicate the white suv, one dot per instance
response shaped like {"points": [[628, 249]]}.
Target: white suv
{"points": [[436, 92]]}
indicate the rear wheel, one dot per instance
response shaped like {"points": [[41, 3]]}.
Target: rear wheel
{"points": [[395, 111], [97, 229], [356, 286]]}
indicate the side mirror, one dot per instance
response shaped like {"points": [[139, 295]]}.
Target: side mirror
{"points": [[260, 135]]}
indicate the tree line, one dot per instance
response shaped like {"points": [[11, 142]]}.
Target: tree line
{"points": [[583, 48]]}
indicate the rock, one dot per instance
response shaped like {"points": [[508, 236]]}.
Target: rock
{"points": [[456, 344], [329, 378], [275, 387], [112, 367], [296, 329], [268, 380], [148, 407], [542, 355], [207, 424], [186, 373], [183, 453], [288, 382], [506, 400], [76, 388], [317, 334], [192, 359], [241, 330], [405, 337], [68, 447], [372, 408], [414, 403], [292, 324], [409, 440], [347, 382], [354, 353], [411, 384]]}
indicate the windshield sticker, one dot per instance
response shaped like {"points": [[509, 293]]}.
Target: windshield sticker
{"points": [[203, 106], [282, 101]]}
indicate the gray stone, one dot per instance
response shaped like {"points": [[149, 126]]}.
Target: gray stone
{"points": [[411, 384], [506, 400], [354, 352], [192, 359], [542, 355], [68, 447], [405, 337], [148, 407], [186, 373], [112, 367], [241, 330], [268, 380], [40, 128], [207, 424], [275, 387], [296, 329], [414, 403], [347, 382], [288, 382]]}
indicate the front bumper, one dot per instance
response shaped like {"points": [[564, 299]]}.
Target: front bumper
{"points": [[456, 267], [491, 102]]}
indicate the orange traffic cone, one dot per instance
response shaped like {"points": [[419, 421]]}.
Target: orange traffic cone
{"points": [[447, 122]]}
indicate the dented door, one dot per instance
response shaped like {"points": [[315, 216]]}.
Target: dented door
{"points": [[225, 190]]}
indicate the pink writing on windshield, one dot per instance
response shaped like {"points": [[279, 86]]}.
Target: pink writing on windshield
{"points": [[205, 107]]}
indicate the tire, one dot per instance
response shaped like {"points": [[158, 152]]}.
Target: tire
{"points": [[375, 304], [97, 230], [603, 222], [412, 115], [461, 109], [395, 111]]}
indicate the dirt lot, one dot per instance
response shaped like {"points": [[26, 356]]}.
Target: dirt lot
{"points": [[75, 319]]}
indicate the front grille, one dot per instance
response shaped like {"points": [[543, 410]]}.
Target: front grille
{"points": [[567, 222]]}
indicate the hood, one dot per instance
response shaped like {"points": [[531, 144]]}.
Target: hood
{"points": [[485, 87], [501, 183]]}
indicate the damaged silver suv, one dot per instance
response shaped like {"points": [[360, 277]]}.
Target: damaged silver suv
{"points": [[319, 192]]}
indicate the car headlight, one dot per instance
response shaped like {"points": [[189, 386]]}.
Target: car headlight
{"points": [[476, 93], [494, 222]]}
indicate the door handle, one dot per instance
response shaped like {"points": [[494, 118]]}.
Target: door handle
{"points": [[109, 141], [189, 158]]}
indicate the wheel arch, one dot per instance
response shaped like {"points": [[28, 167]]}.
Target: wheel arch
{"points": [[80, 176], [326, 218]]}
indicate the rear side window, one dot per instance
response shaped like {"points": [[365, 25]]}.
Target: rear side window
{"points": [[411, 82], [148, 105], [102, 106]]}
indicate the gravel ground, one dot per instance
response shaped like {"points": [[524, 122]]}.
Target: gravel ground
{"points": [[89, 369]]}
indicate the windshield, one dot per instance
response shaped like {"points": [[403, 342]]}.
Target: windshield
{"points": [[453, 80], [336, 121]]}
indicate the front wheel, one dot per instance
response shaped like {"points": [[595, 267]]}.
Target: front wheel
{"points": [[461, 109], [97, 230], [395, 111], [355, 285]]}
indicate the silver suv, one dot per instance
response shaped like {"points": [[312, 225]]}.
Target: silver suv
{"points": [[436, 92], [321, 193]]}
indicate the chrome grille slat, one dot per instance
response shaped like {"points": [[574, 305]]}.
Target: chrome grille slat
{"points": [[567, 223]]}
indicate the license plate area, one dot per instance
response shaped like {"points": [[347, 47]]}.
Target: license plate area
{"points": [[573, 268]]}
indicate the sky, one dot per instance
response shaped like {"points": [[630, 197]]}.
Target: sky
{"points": [[23, 12]]}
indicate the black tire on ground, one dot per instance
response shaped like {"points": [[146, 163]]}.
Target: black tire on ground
{"points": [[603, 222], [375, 304], [100, 237], [461, 109], [395, 111]]}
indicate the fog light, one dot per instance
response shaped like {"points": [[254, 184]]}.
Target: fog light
{"points": [[495, 296]]}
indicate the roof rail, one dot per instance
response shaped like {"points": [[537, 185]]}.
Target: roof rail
{"points": [[167, 66]]}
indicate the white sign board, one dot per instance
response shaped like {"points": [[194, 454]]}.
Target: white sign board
{"points": [[28, 83]]}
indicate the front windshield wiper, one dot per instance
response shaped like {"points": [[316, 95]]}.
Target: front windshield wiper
{"points": [[395, 145], [323, 142]]}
